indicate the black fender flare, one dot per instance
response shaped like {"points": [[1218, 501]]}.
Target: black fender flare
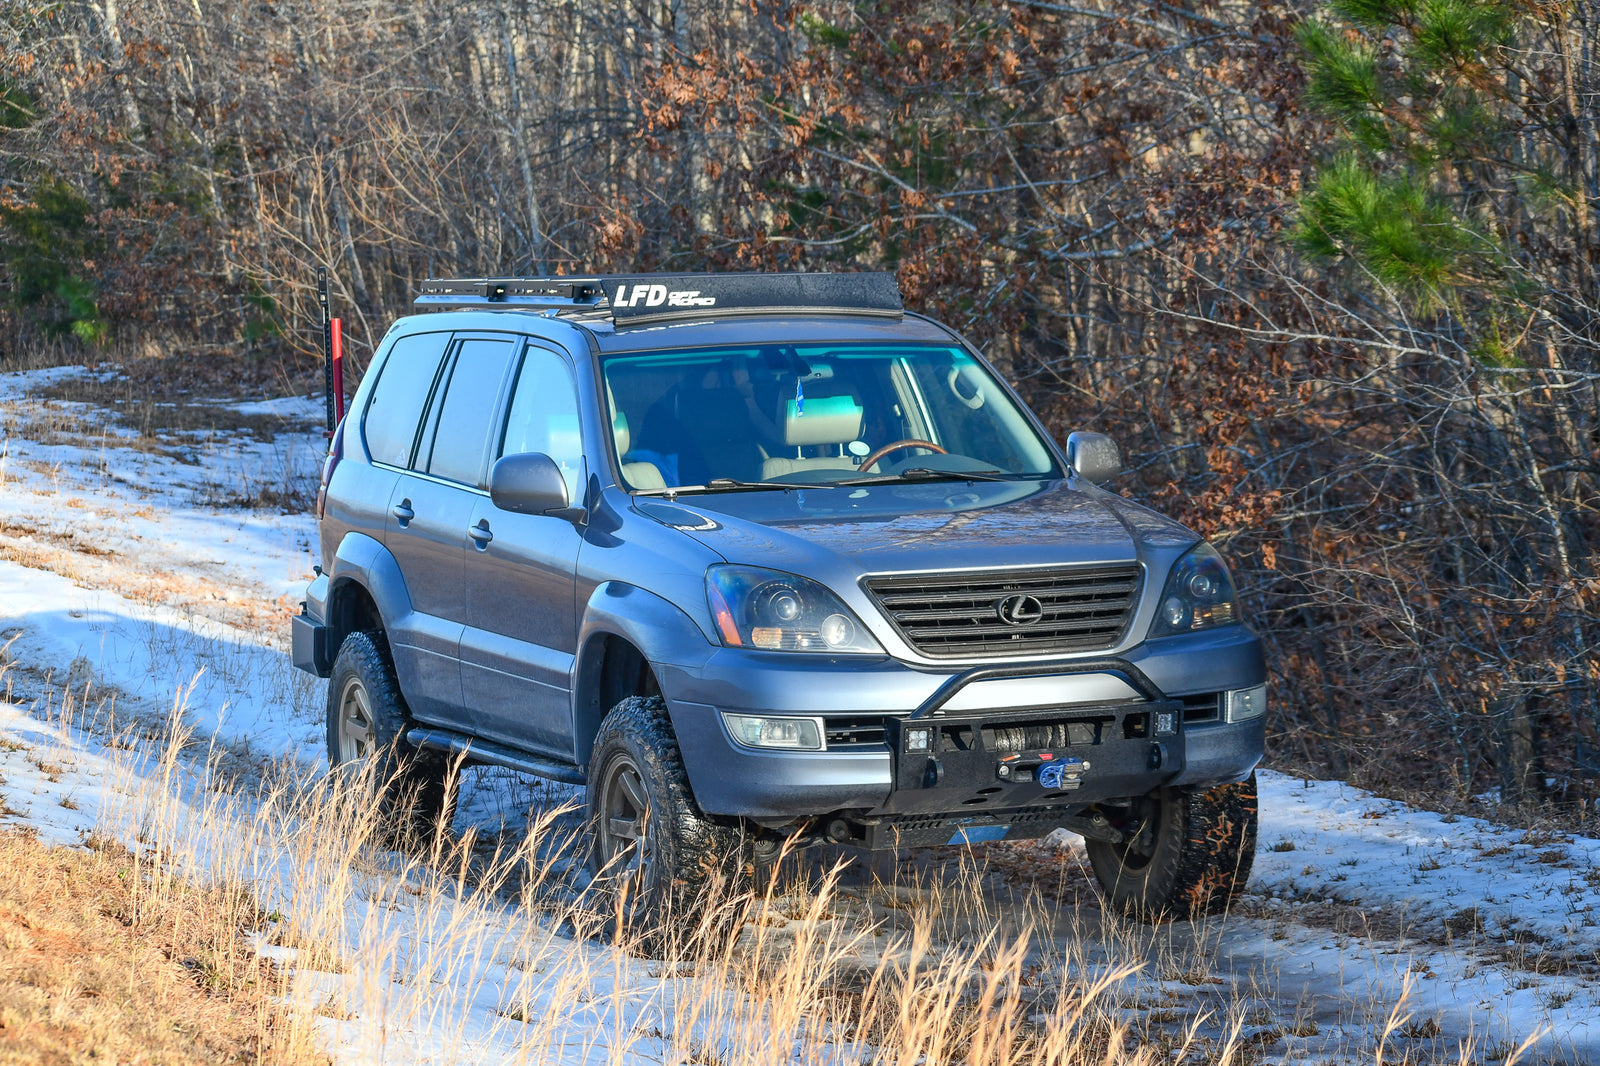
{"points": [[363, 561], [661, 631]]}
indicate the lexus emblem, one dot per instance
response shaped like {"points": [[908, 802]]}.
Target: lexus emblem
{"points": [[1019, 610]]}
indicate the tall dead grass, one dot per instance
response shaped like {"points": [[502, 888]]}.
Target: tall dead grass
{"points": [[467, 950]]}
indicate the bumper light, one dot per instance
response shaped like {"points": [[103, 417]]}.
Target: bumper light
{"points": [[919, 738], [793, 734], [1246, 703]]}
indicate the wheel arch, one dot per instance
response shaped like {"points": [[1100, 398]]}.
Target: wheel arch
{"points": [[627, 633], [366, 590]]}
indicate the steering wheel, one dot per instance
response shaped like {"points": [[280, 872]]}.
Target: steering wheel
{"points": [[910, 442]]}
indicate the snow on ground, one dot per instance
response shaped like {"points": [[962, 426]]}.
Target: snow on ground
{"points": [[150, 566], [1323, 840]]}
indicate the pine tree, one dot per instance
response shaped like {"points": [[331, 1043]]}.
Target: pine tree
{"points": [[1454, 142]]}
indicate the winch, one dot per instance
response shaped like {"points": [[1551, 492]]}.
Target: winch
{"points": [[1050, 769]]}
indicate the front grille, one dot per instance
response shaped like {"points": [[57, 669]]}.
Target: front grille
{"points": [[847, 733], [948, 616], [1201, 708]]}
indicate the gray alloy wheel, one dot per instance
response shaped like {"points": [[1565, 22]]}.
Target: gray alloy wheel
{"points": [[358, 737], [366, 726], [624, 848]]}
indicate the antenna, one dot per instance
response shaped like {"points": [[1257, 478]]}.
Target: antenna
{"points": [[327, 345]]}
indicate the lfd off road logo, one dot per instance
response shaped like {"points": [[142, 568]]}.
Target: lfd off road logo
{"points": [[660, 295]]}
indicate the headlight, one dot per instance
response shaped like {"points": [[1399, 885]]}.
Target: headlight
{"points": [[773, 611], [1199, 595]]}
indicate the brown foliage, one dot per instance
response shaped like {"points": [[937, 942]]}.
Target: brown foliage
{"points": [[1096, 193]]}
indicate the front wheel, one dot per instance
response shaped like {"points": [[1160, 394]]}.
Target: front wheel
{"points": [[653, 852], [1184, 855]]}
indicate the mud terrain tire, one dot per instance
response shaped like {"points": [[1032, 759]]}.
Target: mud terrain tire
{"points": [[367, 719], [1189, 855], [655, 855]]}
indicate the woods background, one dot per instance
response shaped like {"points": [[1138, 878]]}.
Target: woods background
{"points": [[1328, 274]]}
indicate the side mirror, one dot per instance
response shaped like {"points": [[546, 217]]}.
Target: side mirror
{"points": [[527, 483], [1094, 457]]}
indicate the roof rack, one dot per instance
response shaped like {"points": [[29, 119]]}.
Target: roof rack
{"points": [[536, 293], [639, 299]]}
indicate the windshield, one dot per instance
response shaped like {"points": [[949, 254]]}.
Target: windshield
{"points": [[820, 414]]}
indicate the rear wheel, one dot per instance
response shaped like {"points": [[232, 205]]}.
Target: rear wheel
{"points": [[367, 723], [1186, 854], [654, 853]]}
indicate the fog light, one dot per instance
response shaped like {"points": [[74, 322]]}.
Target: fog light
{"points": [[920, 739], [1166, 723], [1246, 703], [796, 734]]}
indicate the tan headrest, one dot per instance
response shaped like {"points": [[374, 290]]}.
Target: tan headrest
{"points": [[824, 420], [619, 429]]}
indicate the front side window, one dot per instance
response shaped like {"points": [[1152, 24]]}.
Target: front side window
{"points": [[397, 402], [816, 414], [461, 441], [544, 416]]}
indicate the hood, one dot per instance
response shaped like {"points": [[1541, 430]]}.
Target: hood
{"points": [[920, 526]]}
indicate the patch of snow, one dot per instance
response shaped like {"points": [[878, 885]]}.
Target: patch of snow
{"points": [[297, 409], [1324, 840]]}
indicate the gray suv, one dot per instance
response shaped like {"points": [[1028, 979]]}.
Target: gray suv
{"points": [[765, 560]]}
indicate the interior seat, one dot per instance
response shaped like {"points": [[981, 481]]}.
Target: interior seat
{"points": [[826, 421], [720, 440], [639, 475]]}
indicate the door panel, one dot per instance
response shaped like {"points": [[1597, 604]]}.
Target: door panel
{"points": [[428, 545], [518, 648]]}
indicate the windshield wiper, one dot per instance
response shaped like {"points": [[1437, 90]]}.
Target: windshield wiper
{"points": [[716, 484], [923, 473]]}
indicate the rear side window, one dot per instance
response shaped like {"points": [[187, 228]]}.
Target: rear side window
{"points": [[401, 395], [461, 441]]}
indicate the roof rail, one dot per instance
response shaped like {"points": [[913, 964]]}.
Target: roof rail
{"points": [[639, 299]]}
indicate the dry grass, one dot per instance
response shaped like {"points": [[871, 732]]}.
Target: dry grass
{"points": [[489, 951], [61, 552], [177, 410], [396, 943], [91, 968], [161, 395]]}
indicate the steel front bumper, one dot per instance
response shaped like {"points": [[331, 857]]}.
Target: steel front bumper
{"points": [[1095, 729]]}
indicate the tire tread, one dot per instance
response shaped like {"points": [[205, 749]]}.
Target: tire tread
{"points": [[696, 851], [406, 772], [1207, 858]]}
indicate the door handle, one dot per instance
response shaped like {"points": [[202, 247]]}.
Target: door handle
{"points": [[403, 512], [480, 533]]}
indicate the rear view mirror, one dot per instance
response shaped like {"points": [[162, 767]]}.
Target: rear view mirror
{"points": [[527, 483], [1094, 457]]}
